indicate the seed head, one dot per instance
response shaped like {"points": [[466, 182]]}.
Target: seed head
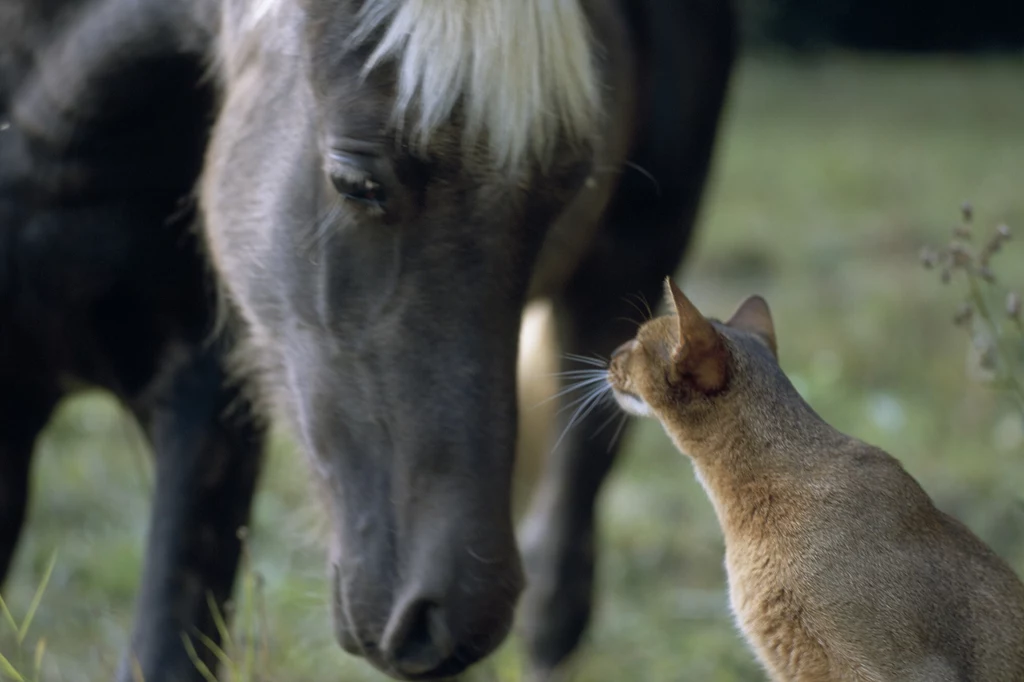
{"points": [[987, 360], [1013, 305], [929, 257], [960, 254], [963, 315], [967, 211], [991, 248], [962, 232], [986, 350]]}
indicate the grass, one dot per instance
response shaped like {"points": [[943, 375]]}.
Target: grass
{"points": [[830, 178], [19, 632]]}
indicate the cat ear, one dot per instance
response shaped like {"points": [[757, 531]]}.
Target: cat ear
{"points": [[700, 354], [754, 316], [694, 328]]}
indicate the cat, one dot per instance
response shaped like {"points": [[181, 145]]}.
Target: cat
{"points": [[839, 565]]}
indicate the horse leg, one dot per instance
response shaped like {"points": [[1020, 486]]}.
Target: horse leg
{"points": [[558, 536], [22, 416], [209, 452], [647, 230]]}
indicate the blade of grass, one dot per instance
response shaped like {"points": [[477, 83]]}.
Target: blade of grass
{"points": [[196, 661], [137, 674], [247, 607], [37, 663], [8, 616], [7, 669], [224, 659], [218, 621], [249, 660], [38, 597], [261, 615]]}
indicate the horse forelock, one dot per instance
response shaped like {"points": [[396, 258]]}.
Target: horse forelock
{"points": [[251, 27], [524, 71]]}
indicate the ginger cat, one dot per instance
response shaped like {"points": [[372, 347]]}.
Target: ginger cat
{"points": [[839, 565]]}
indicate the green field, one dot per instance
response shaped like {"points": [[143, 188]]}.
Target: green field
{"points": [[830, 177]]}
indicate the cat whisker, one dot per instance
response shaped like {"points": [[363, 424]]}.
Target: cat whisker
{"points": [[637, 308], [586, 382], [595, 361], [594, 390], [647, 312], [612, 417], [586, 405], [647, 174], [618, 432], [643, 299], [579, 373], [636, 323], [602, 399], [583, 382]]}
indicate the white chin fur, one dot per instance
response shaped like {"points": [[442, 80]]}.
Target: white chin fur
{"points": [[632, 405]]}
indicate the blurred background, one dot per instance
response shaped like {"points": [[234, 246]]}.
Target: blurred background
{"points": [[854, 131]]}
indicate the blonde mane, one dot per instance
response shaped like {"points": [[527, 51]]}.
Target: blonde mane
{"points": [[524, 70]]}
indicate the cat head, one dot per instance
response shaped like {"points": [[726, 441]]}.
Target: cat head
{"points": [[681, 365]]}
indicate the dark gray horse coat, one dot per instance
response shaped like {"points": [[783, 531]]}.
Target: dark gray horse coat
{"points": [[102, 283]]}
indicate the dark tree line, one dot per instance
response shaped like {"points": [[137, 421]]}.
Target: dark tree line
{"points": [[897, 25]]}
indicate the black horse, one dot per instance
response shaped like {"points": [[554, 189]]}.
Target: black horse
{"points": [[102, 283]]}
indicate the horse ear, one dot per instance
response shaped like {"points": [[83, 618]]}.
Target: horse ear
{"points": [[700, 353], [753, 316]]}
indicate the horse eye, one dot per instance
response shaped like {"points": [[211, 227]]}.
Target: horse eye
{"points": [[365, 190]]}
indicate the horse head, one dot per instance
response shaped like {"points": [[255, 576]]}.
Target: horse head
{"points": [[382, 179]]}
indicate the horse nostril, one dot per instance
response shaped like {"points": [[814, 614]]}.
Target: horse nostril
{"points": [[417, 639]]}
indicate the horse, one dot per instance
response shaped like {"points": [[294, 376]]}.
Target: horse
{"points": [[416, 171], [103, 284], [386, 186]]}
